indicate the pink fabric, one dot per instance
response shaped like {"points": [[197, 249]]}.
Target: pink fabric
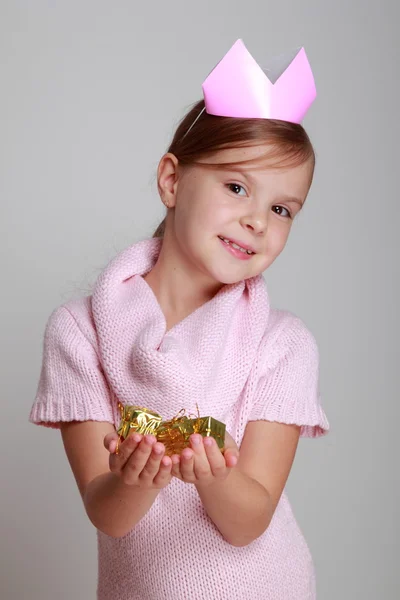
{"points": [[240, 360]]}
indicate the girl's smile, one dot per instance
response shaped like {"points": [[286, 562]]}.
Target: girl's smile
{"points": [[239, 251]]}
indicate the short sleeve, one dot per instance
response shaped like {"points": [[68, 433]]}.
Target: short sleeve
{"points": [[288, 387], [72, 386]]}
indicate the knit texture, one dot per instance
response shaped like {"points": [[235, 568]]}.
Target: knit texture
{"points": [[239, 360]]}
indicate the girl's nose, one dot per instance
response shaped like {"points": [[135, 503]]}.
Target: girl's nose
{"points": [[257, 224]]}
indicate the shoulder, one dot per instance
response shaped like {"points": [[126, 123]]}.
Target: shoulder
{"points": [[287, 335], [73, 318]]}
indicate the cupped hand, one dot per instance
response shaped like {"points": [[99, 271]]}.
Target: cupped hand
{"points": [[140, 460], [203, 462]]}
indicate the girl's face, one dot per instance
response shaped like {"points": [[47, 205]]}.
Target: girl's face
{"points": [[251, 207]]}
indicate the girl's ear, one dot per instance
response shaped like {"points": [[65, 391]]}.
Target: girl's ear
{"points": [[167, 179]]}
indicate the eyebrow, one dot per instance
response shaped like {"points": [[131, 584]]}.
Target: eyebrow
{"points": [[251, 179], [292, 199]]}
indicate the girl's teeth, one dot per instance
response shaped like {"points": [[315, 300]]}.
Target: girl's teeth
{"points": [[236, 246]]}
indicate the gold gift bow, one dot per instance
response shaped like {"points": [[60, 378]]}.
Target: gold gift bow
{"points": [[172, 433]]}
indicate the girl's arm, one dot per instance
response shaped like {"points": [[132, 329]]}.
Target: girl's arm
{"points": [[242, 503], [117, 490]]}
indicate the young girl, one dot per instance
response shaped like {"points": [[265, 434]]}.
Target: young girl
{"points": [[181, 319]]}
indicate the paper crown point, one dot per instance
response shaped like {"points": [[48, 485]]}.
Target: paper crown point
{"points": [[238, 86]]}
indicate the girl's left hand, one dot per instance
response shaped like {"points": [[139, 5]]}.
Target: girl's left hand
{"points": [[203, 463]]}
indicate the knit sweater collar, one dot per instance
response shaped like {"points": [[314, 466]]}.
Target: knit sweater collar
{"points": [[204, 359]]}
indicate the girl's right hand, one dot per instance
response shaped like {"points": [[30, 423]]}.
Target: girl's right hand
{"points": [[140, 461]]}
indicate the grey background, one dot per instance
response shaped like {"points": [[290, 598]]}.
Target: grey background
{"points": [[90, 94]]}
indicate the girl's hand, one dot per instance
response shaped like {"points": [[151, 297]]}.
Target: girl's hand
{"points": [[203, 463], [140, 461]]}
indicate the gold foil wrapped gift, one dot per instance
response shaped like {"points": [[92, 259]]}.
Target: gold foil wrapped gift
{"points": [[135, 419], [174, 434]]}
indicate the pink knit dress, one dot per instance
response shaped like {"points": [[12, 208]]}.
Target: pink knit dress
{"points": [[241, 361]]}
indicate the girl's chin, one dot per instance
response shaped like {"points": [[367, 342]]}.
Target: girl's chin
{"points": [[226, 278]]}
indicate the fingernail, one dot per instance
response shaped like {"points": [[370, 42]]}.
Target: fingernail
{"points": [[196, 439], [137, 438], [208, 441]]}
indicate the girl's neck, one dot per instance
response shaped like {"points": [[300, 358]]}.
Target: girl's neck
{"points": [[178, 287]]}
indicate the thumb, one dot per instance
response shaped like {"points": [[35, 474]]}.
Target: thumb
{"points": [[231, 456], [110, 442]]}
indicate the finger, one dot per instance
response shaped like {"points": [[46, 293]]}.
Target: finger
{"points": [[187, 463], [110, 441], [201, 467], [176, 469], [128, 446], [152, 465], [215, 457], [164, 474], [136, 462], [231, 457]]}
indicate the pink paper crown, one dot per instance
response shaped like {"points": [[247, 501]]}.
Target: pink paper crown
{"points": [[238, 86]]}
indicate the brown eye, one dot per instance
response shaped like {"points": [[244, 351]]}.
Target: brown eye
{"points": [[235, 188], [281, 208]]}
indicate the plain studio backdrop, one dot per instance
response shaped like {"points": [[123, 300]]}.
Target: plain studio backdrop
{"points": [[91, 92]]}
